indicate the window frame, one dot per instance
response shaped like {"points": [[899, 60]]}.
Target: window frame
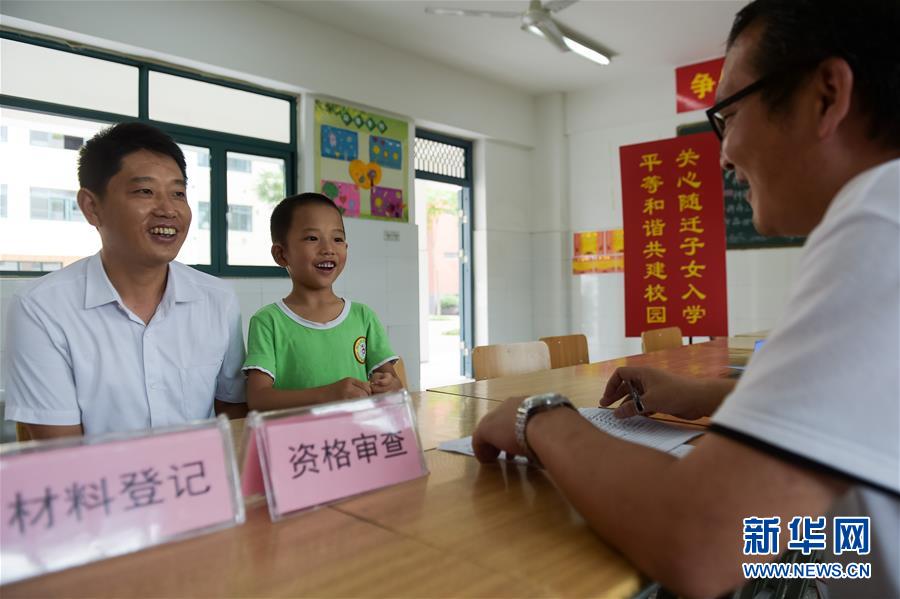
{"points": [[218, 143]]}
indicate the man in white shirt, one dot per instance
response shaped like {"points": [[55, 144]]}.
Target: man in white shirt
{"points": [[126, 339], [808, 115]]}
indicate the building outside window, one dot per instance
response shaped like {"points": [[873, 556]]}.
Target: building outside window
{"points": [[240, 218], [55, 204]]}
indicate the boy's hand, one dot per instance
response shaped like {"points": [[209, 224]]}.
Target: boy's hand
{"points": [[383, 382], [348, 388]]}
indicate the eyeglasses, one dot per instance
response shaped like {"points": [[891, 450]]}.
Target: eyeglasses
{"points": [[714, 114]]}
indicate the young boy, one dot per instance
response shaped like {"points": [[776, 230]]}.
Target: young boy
{"points": [[313, 346]]}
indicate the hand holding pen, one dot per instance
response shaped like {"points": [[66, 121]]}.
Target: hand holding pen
{"points": [[648, 390], [635, 397]]}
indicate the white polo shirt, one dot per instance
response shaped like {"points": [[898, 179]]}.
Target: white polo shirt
{"points": [[76, 354], [824, 391]]}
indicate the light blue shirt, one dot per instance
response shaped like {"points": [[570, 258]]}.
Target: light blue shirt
{"points": [[77, 354]]}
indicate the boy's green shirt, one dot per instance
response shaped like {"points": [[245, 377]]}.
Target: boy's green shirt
{"points": [[300, 354]]}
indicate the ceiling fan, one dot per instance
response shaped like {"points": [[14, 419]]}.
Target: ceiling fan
{"points": [[538, 20]]}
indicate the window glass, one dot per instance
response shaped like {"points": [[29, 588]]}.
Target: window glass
{"points": [[254, 189], [41, 223], [55, 204], [50, 75], [197, 247], [184, 101]]}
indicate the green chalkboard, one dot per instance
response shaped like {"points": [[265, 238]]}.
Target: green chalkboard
{"points": [[739, 230]]}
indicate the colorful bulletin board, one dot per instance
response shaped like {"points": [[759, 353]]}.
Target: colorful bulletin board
{"points": [[599, 252], [673, 217], [362, 161]]}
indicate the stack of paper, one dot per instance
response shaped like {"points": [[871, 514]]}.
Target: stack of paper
{"points": [[662, 436]]}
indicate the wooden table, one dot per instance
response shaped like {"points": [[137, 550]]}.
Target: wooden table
{"points": [[463, 531], [320, 553], [584, 384], [518, 524]]}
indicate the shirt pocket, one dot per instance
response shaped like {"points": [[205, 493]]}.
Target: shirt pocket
{"points": [[198, 386]]}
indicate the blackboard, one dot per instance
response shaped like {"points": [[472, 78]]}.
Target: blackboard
{"points": [[739, 230]]}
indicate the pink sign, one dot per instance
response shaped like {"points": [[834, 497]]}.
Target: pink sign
{"points": [[327, 454], [65, 505]]}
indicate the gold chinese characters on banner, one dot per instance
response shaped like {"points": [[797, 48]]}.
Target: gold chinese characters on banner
{"points": [[673, 216]]}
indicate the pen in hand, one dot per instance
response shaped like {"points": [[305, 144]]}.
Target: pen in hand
{"points": [[635, 397]]}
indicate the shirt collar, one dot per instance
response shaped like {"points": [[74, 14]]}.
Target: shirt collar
{"points": [[99, 290]]}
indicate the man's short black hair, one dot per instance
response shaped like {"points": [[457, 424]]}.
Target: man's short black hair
{"points": [[799, 34], [101, 157], [283, 214]]}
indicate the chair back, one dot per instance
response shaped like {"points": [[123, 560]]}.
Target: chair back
{"points": [[567, 350], [492, 361], [658, 339], [22, 433], [400, 369]]}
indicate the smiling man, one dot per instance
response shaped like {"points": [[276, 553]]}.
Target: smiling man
{"points": [[126, 339], [805, 449]]}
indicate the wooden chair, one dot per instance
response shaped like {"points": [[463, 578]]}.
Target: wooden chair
{"points": [[22, 433], [492, 361], [567, 350], [658, 339], [400, 369]]}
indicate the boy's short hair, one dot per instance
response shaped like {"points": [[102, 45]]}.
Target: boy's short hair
{"points": [[283, 215], [101, 157]]}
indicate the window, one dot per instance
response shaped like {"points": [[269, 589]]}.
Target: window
{"points": [[240, 218], [54, 204], [42, 222], [207, 105], [3, 200], [238, 141], [39, 72], [3, 134], [255, 188], [197, 247]]}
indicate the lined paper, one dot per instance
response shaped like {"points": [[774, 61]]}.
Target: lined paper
{"points": [[662, 436]]}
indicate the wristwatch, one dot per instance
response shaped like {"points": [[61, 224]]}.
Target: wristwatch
{"points": [[528, 408]]}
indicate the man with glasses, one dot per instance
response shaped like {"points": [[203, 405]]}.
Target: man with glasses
{"points": [[809, 118]]}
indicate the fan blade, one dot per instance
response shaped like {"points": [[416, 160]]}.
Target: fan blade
{"points": [[558, 5], [461, 12], [552, 33]]}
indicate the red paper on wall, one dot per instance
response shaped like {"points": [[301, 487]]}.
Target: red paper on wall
{"points": [[696, 84], [674, 222]]}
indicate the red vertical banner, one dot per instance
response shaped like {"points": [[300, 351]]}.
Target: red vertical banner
{"points": [[695, 85], [674, 222]]}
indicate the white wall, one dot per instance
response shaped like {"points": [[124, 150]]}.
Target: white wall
{"points": [[502, 238], [267, 45], [597, 123], [551, 241]]}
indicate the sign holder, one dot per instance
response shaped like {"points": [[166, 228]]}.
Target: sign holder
{"points": [[305, 458], [71, 501]]}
